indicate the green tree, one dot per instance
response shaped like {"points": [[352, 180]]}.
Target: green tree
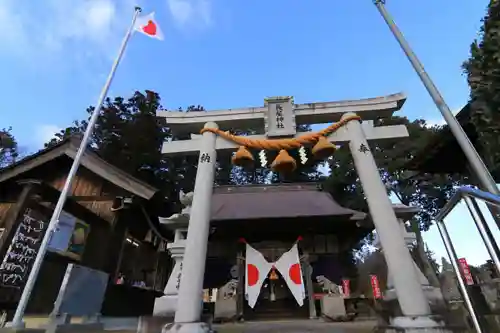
{"points": [[129, 135], [429, 194], [9, 150], [483, 75], [391, 157]]}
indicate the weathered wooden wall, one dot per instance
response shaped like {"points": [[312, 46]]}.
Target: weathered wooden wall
{"points": [[91, 191], [4, 209]]}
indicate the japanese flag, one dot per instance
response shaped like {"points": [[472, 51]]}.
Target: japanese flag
{"points": [[256, 271], [289, 267], [148, 26]]}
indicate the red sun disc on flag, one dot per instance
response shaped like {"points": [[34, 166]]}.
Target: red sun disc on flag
{"points": [[295, 274], [150, 28], [252, 274]]}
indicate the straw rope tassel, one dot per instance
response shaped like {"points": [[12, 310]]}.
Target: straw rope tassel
{"points": [[282, 145]]}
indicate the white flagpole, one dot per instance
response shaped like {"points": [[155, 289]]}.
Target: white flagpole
{"points": [[17, 321], [477, 165]]}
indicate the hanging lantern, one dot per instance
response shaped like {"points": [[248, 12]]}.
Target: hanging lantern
{"points": [[323, 148], [283, 163], [243, 157], [273, 275]]}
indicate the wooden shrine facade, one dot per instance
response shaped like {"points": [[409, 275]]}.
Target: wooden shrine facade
{"points": [[107, 224]]}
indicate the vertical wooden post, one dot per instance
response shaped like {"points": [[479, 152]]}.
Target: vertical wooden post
{"points": [[116, 246], [309, 285], [240, 292]]}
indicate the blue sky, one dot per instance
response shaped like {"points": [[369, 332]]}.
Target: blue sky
{"points": [[224, 54]]}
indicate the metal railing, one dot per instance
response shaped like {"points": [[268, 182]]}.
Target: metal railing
{"points": [[470, 195]]}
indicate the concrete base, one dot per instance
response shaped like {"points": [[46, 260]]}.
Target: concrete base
{"points": [[416, 325], [187, 328], [225, 309], [165, 306], [333, 307]]}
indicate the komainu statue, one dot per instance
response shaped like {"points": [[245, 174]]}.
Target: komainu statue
{"points": [[186, 199], [328, 286], [228, 290]]}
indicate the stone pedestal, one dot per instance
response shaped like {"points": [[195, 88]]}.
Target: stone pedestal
{"points": [[226, 309], [333, 307], [167, 305]]}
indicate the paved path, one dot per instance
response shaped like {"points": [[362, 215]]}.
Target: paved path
{"points": [[296, 326]]}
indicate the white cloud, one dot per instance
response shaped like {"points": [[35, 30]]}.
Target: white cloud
{"points": [[44, 133], [58, 29], [439, 121], [191, 13]]}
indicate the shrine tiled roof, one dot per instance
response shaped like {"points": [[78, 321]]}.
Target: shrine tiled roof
{"points": [[276, 201]]}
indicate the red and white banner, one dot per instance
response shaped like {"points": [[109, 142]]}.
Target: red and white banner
{"points": [[375, 287], [256, 272], [289, 267], [257, 269], [346, 287], [464, 268]]}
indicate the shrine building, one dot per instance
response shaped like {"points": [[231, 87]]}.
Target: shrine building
{"points": [[271, 218]]}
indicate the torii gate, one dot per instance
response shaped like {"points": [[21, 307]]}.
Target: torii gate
{"points": [[278, 118]]}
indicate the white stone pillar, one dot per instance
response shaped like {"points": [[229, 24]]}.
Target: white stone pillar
{"points": [[191, 288], [399, 261]]}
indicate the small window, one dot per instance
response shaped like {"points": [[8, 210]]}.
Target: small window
{"points": [[70, 237], [61, 237]]}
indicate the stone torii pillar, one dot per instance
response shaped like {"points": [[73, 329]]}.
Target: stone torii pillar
{"points": [[190, 299], [278, 118], [411, 297]]}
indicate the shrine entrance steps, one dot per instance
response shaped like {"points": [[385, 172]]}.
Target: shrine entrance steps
{"points": [[274, 310]]}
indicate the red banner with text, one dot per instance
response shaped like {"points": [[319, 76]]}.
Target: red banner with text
{"points": [[377, 293], [464, 268], [346, 287]]}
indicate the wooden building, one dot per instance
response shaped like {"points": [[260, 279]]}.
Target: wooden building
{"points": [[109, 223]]}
